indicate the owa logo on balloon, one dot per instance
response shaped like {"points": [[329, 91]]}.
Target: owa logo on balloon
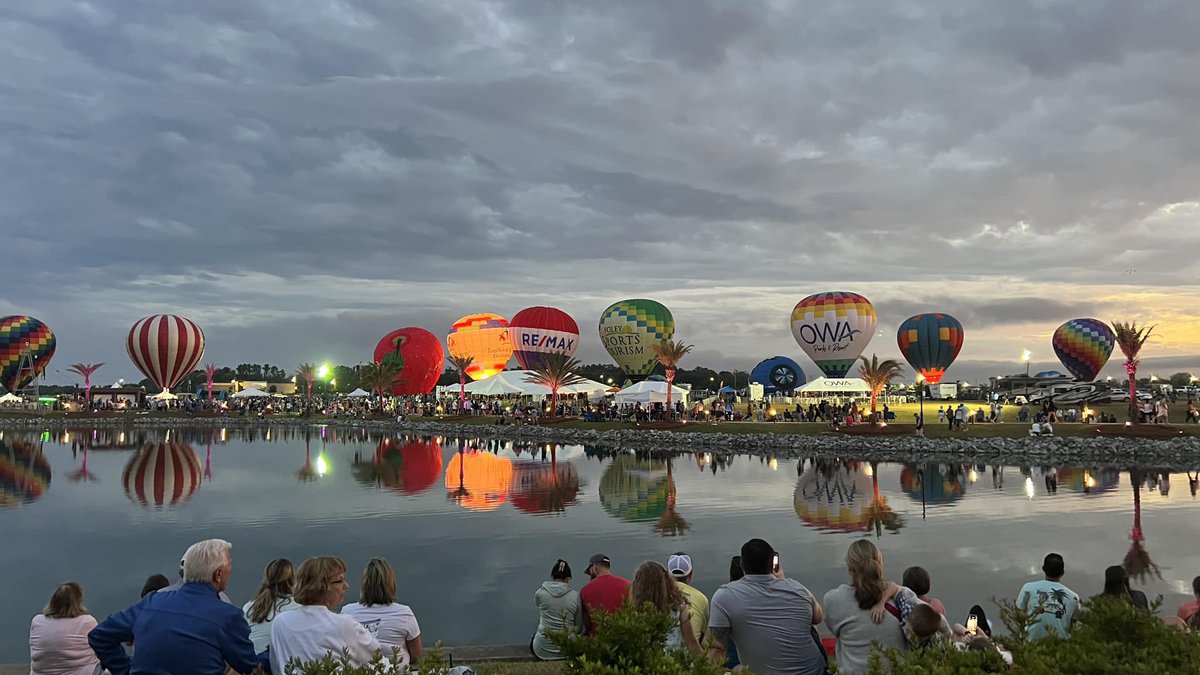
{"points": [[830, 336]]}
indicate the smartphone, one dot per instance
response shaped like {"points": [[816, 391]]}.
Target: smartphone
{"points": [[775, 563], [973, 624]]}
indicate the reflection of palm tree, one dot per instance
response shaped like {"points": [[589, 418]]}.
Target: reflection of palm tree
{"points": [[307, 473], [878, 514], [461, 493], [670, 523], [1138, 564], [83, 473], [208, 462]]}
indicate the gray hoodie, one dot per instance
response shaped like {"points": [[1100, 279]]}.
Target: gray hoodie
{"points": [[558, 609]]}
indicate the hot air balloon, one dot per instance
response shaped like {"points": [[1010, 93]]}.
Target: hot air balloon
{"points": [[24, 474], [1083, 346], [478, 481], [930, 343], [410, 468], [162, 474], [778, 373], [166, 348], [833, 329], [484, 337], [536, 331], [16, 332], [419, 356], [629, 327]]}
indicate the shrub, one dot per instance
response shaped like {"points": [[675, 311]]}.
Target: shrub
{"points": [[432, 663], [629, 642]]}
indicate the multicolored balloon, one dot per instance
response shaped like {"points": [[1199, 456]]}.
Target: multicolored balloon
{"points": [[24, 474], [484, 337], [778, 373], [166, 348], [537, 331], [629, 327], [930, 343], [15, 333], [1083, 346], [162, 475], [833, 329], [417, 354]]}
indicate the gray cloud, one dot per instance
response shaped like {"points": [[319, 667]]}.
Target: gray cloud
{"points": [[302, 177]]}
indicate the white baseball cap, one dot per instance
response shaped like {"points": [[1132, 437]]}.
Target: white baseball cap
{"points": [[679, 564]]}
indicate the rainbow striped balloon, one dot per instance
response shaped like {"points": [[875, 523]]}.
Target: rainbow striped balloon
{"points": [[24, 474], [833, 329], [15, 333], [1083, 346]]}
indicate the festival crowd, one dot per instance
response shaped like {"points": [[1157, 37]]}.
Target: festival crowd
{"points": [[761, 620]]}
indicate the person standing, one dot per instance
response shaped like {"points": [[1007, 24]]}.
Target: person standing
{"points": [[58, 637], [189, 631], [770, 617], [1050, 604], [604, 593], [559, 609], [680, 567]]}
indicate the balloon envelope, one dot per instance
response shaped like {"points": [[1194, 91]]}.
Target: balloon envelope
{"points": [[165, 347], [930, 343], [24, 474], [629, 327], [410, 468], [634, 490], [483, 337], [778, 373], [1083, 346], [537, 331], [833, 329], [418, 355], [941, 484], [15, 333], [162, 474], [479, 481], [542, 487], [836, 500]]}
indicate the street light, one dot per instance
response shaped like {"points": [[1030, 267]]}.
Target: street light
{"points": [[1026, 355], [921, 398]]}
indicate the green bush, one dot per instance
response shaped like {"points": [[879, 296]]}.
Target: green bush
{"points": [[432, 663], [629, 642]]}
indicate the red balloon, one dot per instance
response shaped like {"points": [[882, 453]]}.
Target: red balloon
{"points": [[418, 354], [537, 331], [162, 474], [165, 348]]}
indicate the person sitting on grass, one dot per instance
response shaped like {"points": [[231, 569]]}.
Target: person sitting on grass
{"points": [[653, 585]]}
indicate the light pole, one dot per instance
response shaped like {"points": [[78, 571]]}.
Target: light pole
{"points": [[1026, 356], [921, 398]]}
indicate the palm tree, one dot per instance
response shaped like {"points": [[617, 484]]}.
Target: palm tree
{"points": [[1138, 564], [85, 371], [210, 369], [378, 377], [1130, 339], [462, 362], [555, 371], [669, 353], [308, 373], [878, 374]]}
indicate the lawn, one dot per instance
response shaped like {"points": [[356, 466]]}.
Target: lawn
{"points": [[518, 668]]}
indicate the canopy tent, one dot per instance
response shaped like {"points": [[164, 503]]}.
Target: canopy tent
{"points": [[164, 395], [251, 393], [514, 382], [650, 392], [843, 386], [358, 393], [10, 398]]}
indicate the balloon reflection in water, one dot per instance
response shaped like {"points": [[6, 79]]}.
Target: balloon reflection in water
{"points": [[24, 474], [479, 481], [545, 488], [941, 483], [635, 490], [410, 468], [1088, 481], [162, 474], [832, 497]]}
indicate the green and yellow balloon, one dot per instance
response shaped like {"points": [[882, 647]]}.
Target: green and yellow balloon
{"points": [[629, 327]]}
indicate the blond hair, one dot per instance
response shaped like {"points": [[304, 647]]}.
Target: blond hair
{"points": [[378, 583], [652, 584], [312, 579], [865, 564], [66, 602]]}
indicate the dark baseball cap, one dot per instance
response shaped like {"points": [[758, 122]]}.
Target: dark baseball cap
{"points": [[599, 558]]}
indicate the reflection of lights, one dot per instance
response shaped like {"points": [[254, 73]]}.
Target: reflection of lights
{"points": [[772, 412], [66, 437], [322, 465], [223, 434], [1029, 487], [1088, 480], [121, 438], [773, 463], [708, 458], [972, 475], [868, 471]]}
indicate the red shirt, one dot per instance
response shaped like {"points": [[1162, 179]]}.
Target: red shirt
{"points": [[605, 593], [1187, 609]]}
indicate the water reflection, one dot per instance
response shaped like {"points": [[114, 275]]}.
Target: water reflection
{"points": [[1082, 480], [635, 489], [834, 496], [82, 473], [1137, 559], [162, 475], [933, 483], [670, 523], [24, 473], [545, 488], [409, 467], [477, 480]]}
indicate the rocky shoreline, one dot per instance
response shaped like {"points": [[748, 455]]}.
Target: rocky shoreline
{"points": [[1176, 454]]}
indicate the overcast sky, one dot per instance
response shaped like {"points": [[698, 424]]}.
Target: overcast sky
{"points": [[301, 176]]}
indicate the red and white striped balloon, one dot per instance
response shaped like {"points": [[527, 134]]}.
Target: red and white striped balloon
{"points": [[162, 474], [166, 348]]}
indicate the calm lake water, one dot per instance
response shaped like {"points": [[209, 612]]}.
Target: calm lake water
{"points": [[473, 527]]}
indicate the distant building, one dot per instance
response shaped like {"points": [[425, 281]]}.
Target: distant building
{"points": [[129, 395]]}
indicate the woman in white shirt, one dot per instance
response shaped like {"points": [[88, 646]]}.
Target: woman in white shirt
{"points": [[58, 642], [393, 624], [315, 631], [274, 597]]}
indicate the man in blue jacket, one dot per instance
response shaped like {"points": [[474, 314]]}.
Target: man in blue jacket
{"points": [[189, 631]]}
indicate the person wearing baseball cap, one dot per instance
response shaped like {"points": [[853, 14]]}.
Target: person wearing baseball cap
{"points": [[604, 593], [680, 567], [1050, 604]]}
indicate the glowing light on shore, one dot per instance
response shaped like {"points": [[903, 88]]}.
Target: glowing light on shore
{"points": [[1029, 487]]}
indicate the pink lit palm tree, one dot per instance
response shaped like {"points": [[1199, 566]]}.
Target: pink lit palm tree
{"points": [[669, 353], [85, 371], [1130, 339], [210, 369]]}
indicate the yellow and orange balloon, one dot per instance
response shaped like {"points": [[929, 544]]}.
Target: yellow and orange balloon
{"points": [[483, 337]]}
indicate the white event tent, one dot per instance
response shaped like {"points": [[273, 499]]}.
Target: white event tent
{"points": [[650, 391], [358, 393], [841, 386], [514, 382], [251, 392]]}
